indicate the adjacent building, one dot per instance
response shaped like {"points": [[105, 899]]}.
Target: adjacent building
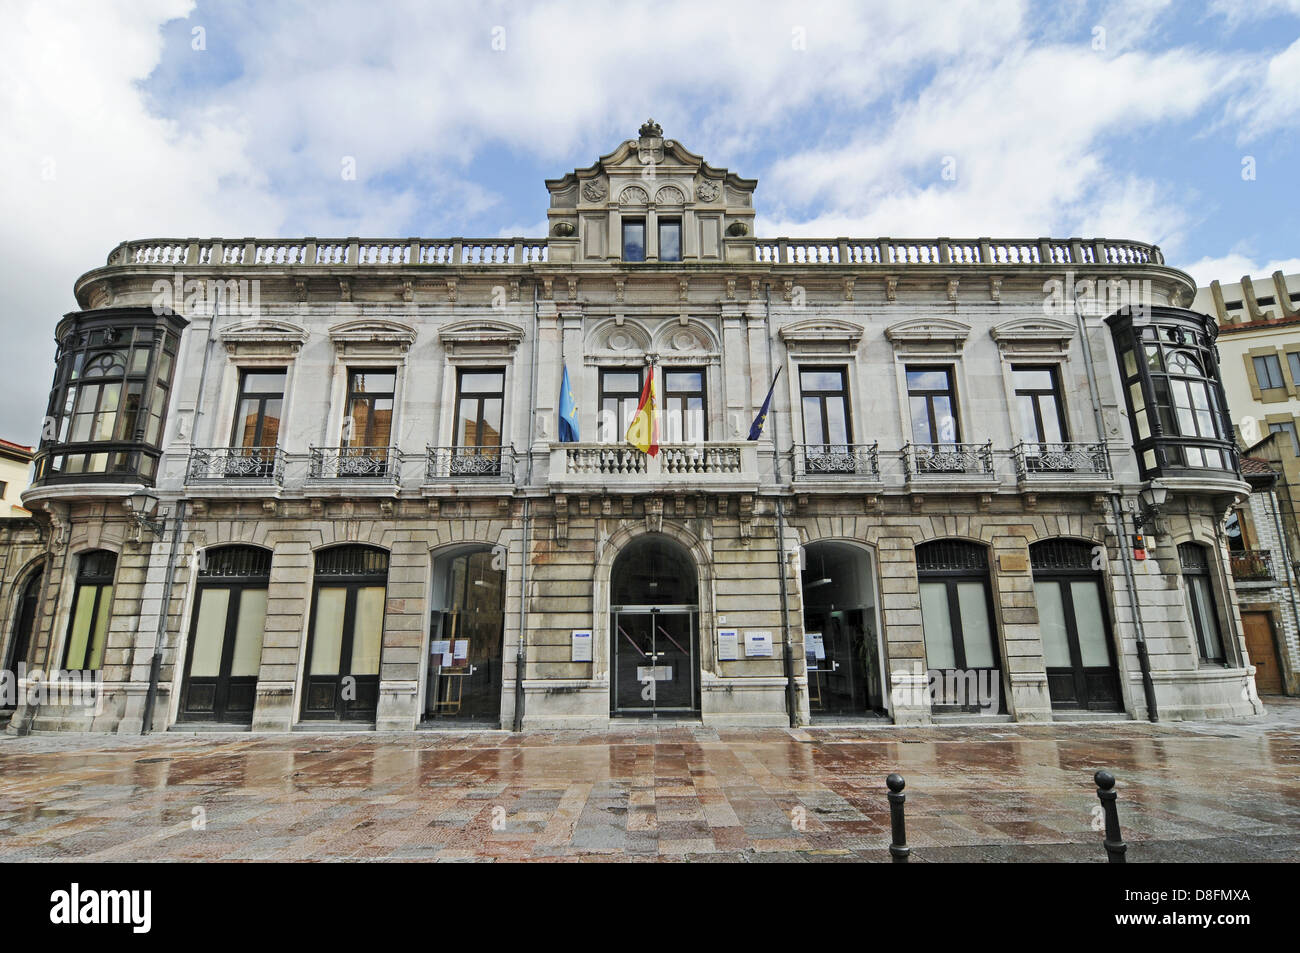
{"points": [[290, 483]]}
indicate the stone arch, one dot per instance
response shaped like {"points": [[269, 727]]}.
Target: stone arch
{"points": [[691, 337], [626, 338], [607, 551]]}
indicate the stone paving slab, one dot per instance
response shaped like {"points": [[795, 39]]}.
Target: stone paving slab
{"points": [[1188, 792]]}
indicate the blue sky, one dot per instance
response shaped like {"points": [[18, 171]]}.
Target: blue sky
{"points": [[170, 118]]}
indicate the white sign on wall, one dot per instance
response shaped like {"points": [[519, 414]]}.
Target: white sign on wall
{"points": [[758, 644], [728, 645], [580, 645]]}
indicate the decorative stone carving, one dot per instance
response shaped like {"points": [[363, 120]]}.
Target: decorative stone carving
{"points": [[593, 191], [563, 229], [670, 195], [634, 195], [345, 289], [300, 287], [654, 514], [707, 191], [651, 128]]}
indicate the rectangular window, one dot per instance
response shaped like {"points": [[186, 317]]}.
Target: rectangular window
{"points": [[480, 397], [257, 411], [634, 239], [620, 391], [1293, 359], [1268, 372], [1288, 428], [932, 404], [685, 415], [825, 398], [1038, 398], [369, 420], [670, 239], [92, 603]]}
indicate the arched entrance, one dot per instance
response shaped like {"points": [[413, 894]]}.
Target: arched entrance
{"points": [[466, 632], [654, 629], [24, 626], [841, 634]]}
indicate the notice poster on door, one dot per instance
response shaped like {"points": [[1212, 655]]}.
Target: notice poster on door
{"points": [[441, 651], [728, 645], [758, 644], [814, 646], [580, 645], [461, 651]]}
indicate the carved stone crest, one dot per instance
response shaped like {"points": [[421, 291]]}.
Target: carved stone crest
{"points": [[593, 191], [707, 191], [650, 148]]}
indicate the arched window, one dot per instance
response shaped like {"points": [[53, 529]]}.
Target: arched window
{"points": [[1202, 610], [345, 634], [957, 619], [1172, 387], [110, 395], [24, 623], [92, 603]]}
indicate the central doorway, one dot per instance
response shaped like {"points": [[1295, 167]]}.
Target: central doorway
{"points": [[466, 635], [654, 630], [841, 645]]}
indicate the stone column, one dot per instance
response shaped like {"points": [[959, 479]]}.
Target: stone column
{"points": [[405, 609], [288, 610]]}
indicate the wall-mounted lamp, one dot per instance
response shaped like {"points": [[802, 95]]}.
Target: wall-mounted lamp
{"points": [[143, 506], [1151, 499]]}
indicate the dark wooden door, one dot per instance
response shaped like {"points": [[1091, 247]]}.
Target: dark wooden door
{"points": [[1263, 652]]}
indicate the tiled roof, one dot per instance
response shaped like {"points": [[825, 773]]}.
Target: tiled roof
{"points": [[1256, 466]]}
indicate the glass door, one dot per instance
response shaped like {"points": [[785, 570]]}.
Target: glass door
{"points": [[343, 657], [655, 660], [225, 654], [1081, 671]]}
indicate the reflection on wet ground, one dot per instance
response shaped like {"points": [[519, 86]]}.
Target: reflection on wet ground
{"points": [[1187, 791]]}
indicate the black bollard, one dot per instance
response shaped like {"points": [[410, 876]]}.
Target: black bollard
{"points": [[898, 849], [1115, 847]]}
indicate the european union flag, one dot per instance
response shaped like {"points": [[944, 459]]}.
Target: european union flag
{"points": [[568, 411], [756, 428]]}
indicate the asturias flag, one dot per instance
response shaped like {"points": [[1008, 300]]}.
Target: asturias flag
{"points": [[644, 431], [568, 411], [756, 427]]}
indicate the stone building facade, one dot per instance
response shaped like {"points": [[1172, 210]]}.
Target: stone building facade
{"points": [[292, 483]]}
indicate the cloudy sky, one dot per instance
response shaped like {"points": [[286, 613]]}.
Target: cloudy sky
{"points": [[1168, 122]]}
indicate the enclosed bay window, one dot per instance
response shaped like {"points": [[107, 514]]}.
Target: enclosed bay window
{"points": [[1202, 611], [1170, 372], [92, 604], [111, 391]]}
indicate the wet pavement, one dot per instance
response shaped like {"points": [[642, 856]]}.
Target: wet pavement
{"points": [[1188, 791]]}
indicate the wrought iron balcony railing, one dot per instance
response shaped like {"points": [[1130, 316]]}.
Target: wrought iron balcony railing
{"points": [[373, 464], [836, 460], [921, 459], [489, 464], [235, 464], [1048, 458], [1252, 565]]}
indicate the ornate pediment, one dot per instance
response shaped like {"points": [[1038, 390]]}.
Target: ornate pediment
{"points": [[263, 337], [371, 336], [481, 336], [619, 338], [822, 334], [1034, 335], [928, 336]]}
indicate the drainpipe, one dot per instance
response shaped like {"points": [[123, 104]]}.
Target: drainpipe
{"points": [[1126, 555], [521, 654], [160, 637], [787, 663]]}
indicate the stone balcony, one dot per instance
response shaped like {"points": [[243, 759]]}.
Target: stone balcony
{"points": [[682, 467]]}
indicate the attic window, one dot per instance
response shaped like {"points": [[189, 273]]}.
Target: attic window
{"points": [[634, 239]]}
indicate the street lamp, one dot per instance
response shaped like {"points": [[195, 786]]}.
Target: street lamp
{"points": [[143, 505], [1152, 498]]}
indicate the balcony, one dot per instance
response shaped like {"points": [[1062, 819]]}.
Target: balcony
{"points": [[836, 461], [947, 459], [683, 466], [1051, 459], [376, 465], [257, 465], [471, 464], [1252, 565]]}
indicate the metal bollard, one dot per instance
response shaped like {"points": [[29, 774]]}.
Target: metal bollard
{"points": [[898, 849], [1115, 847]]}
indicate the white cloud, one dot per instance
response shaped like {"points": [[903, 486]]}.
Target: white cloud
{"points": [[1230, 269], [1273, 102]]}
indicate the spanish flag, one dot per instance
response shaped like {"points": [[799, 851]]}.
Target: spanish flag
{"points": [[644, 431]]}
